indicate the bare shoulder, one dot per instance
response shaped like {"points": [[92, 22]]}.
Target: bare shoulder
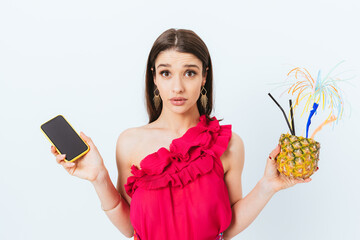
{"points": [[128, 141], [236, 143], [127, 146], [233, 156], [129, 135], [235, 160]]}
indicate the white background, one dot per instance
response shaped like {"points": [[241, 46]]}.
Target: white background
{"points": [[86, 60]]}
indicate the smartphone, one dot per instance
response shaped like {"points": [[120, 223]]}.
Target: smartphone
{"points": [[64, 138]]}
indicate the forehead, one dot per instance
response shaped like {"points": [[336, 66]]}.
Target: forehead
{"points": [[176, 59]]}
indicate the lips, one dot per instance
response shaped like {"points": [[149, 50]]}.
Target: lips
{"points": [[178, 101]]}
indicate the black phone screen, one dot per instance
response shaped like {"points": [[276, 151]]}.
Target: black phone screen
{"points": [[64, 137]]}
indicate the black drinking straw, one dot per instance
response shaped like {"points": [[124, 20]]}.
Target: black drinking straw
{"points": [[282, 112], [292, 118]]}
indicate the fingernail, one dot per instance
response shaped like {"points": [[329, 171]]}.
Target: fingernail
{"points": [[270, 157]]}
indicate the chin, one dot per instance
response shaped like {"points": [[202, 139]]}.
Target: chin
{"points": [[178, 109]]}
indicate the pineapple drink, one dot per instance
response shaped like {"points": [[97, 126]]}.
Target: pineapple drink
{"points": [[299, 156]]}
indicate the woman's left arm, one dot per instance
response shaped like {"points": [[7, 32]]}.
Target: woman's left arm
{"points": [[245, 210]]}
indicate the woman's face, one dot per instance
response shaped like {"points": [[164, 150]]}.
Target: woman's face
{"points": [[178, 75]]}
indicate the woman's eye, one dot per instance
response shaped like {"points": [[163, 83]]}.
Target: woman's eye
{"points": [[193, 73], [161, 73]]}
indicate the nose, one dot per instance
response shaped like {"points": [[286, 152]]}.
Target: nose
{"points": [[177, 86]]}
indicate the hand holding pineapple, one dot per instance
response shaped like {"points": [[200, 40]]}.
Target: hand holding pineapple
{"points": [[274, 179]]}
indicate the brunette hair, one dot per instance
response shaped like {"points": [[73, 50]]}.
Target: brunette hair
{"points": [[185, 41]]}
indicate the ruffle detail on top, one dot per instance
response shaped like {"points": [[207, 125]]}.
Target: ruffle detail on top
{"points": [[194, 154]]}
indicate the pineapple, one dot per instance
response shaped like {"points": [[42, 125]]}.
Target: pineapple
{"points": [[298, 157]]}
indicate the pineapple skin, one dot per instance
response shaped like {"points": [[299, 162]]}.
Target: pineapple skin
{"points": [[298, 157]]}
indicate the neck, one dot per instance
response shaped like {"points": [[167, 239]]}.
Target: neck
{"points": [[178, 123]]}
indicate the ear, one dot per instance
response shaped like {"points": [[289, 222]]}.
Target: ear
{"points": [[204, 78]]}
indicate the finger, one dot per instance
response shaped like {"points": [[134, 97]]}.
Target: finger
{"points": [[303, 180], [60, 158], [53, 150], [86, 139], [275, 152], [67, 164]]}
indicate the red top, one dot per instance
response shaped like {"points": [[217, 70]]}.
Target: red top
{"points": [[181, 193]]}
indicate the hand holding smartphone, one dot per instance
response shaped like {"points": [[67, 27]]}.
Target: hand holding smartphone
{"points": [[64, 137], [65, 140]]}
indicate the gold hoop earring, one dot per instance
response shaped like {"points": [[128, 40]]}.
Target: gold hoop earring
{"points": [[157, 99], [203, 98]]}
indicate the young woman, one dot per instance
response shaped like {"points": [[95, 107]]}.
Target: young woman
{"points": [[179, 175]]}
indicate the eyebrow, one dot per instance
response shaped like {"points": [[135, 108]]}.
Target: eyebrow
{"points": [[186, 65]]}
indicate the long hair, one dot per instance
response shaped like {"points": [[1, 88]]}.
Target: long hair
{"points": [[185, 41]]}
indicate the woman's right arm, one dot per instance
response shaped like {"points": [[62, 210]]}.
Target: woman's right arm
{"points": [[91, 167], [114, 205]]}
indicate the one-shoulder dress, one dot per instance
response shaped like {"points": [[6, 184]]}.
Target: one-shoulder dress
{"points": [[180, 193]]}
